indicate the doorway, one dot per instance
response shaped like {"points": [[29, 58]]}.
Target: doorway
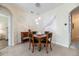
{"points": [[3, 31], [6, 13], [75, 28]]}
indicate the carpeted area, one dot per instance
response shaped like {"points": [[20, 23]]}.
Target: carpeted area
{"points": [[22, 50]]}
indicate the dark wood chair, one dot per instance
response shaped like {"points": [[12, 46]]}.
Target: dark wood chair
{"points": [[30, 38], [50, 39], [40, 42], [32, 41], [47, 40]]}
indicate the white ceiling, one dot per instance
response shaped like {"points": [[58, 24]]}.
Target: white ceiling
{"points": [[44, 7]]}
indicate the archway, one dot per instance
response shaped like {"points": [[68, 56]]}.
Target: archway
{"points": [[6, 12], [74, 25]]}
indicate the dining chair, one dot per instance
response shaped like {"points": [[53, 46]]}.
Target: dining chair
{"points": [[50, 37], [47, 40], [32, 40]]}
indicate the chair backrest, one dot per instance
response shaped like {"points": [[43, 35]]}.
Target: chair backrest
{"points": [[50, 35], [46, 32], [30, 33], [34, 32]]}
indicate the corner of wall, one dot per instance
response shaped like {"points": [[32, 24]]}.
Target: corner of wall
{"points": [[58, 43]]}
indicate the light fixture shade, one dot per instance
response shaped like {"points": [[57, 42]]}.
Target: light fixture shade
{"points": [[37, 23], [39, 18]]}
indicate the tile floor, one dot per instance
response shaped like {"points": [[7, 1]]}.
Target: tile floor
{"points": [[3, 44], [75, 44], [22, 50]]}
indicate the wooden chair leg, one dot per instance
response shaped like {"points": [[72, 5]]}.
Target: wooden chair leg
{"points": [[50, 47], [32, 48], [39, 45], [46, 48], [44, 45], [29, 45], [50, 44]]}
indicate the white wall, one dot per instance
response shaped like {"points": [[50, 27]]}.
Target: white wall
{"points": [[61, 32]]}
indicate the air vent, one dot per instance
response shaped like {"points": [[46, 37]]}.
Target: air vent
{"points": [[37, 4], [32, 12]]}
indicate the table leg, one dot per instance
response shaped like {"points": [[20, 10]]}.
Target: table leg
{"points": [[39, 44]]}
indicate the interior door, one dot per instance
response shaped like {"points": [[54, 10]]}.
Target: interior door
{"points": [[75, 26]]}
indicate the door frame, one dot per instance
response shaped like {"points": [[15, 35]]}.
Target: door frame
{"points": [[70, 29], [10, 41]]}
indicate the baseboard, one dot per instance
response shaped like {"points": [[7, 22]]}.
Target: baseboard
{"points": [[17, 43], [54, 42], [60, 44]]}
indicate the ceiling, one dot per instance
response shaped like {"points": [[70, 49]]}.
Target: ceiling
{"points": [[44, 7]]}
